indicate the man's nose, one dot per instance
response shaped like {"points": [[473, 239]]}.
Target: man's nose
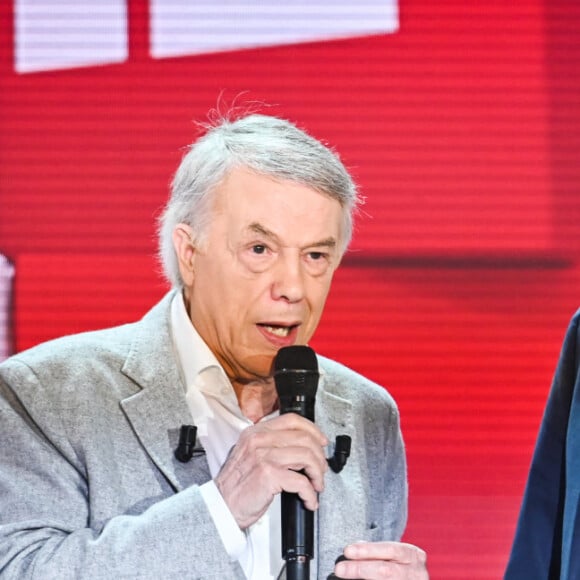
{"points": [[288, 283]]}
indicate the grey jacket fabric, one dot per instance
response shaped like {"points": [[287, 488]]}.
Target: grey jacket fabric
{"points": [[90, 488]]}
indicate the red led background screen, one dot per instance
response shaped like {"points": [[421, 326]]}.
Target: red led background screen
{"points": [[461, 124]]}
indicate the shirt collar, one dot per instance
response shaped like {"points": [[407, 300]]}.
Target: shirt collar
{"points": [[194, 356]]}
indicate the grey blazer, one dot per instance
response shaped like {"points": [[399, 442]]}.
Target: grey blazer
{"points": [[90, 488]]}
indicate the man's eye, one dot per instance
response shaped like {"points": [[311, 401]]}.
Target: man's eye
{"points": [[316, 255], [259, 249]]}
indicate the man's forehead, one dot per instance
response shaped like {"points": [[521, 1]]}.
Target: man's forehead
{"points": [[259, 204]]}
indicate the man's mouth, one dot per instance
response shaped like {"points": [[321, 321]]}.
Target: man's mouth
{"points": [[278, 330]]}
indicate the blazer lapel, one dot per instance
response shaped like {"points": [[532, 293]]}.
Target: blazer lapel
{"points": [[158, 410], [342, 510]]}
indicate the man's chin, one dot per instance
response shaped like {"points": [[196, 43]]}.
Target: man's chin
{"points": [[253, 379], [257, 369]]}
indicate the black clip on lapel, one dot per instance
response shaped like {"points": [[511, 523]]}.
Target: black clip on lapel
{"points": [[186, 445], [341, 453]]}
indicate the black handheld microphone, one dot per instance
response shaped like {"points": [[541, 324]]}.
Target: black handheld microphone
{"points": [[296, 377]]}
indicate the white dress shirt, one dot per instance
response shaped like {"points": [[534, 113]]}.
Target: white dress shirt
{"points": [[219, 421]]}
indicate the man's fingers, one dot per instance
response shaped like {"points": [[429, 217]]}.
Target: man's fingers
{"points": [[292, 450], [301, 459], [383, 560], [399, 552], [294, 422], [294, 482], [279, 465], [283, 439], [282, 454]]}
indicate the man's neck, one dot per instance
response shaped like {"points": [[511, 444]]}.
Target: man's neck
{"points": [[256, 400]]}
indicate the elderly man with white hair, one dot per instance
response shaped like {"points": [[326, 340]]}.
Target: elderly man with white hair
{"points": [[259, 217]]}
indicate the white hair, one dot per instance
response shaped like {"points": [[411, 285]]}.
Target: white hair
{"points": [[264, 144]]}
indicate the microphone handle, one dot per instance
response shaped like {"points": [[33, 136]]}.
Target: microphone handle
{"points": [[297, 536], [297, 521], [298, 569]]}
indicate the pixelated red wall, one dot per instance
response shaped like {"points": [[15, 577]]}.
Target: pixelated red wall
{"points": [[463, 130]]}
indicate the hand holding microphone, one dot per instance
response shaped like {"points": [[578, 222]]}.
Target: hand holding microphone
{"points": [[285, 454], [267, 460]]}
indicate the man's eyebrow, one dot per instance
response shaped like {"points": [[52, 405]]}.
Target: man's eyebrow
{"points": [[258, 228], [327, 243]]}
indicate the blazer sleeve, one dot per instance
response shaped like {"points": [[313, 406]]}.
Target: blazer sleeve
{"points": [[537, 548], [45, 503]]}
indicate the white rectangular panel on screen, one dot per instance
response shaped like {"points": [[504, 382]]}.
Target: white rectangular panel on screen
{"points": [[57, 34], [180, 28]]}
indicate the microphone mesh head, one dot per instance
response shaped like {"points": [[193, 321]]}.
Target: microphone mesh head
{"points": [[295, 357]]}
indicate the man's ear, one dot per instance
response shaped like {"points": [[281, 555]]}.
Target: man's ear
{"points": [[185, 252]]}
